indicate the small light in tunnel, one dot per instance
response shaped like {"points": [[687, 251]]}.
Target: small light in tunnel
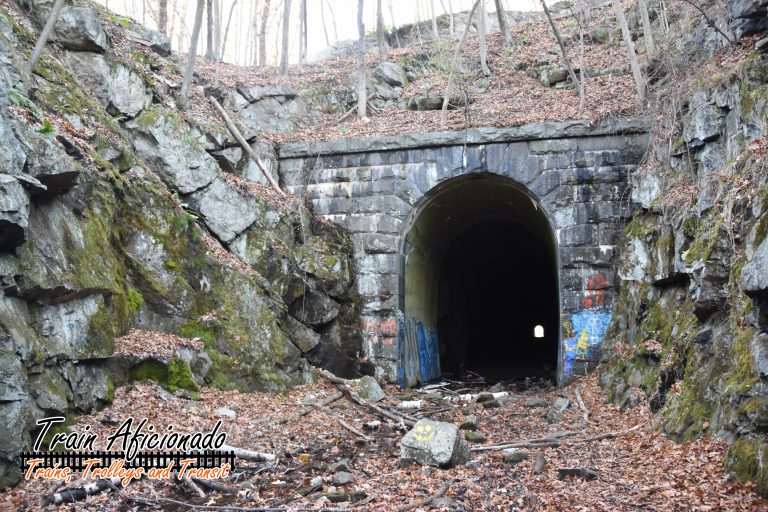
{"points": [[538, 331]]}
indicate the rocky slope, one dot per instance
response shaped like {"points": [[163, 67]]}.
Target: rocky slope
{"points": [[689, 329], [117, 211]]}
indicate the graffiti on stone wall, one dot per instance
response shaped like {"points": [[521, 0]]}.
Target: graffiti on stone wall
{"points": [[381, 333], [584, 333], [417, 351]]}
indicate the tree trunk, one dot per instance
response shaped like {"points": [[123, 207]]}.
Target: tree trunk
{"points": [[223, 48], [560, 43], [435, 32], [325, 27], [162, 17], [394, 26], [263, 34], [454, 65], [481, 31], [636, 73], [582, 63], [418, 21], [362, 96], [647, 31], [286, 36], [452, 27], [303, 32], [506, 37], [182, 19], [209, 30], [43, 39], [184, 99], [333, 20], [254, 60], [380, 33], [216, 29]]}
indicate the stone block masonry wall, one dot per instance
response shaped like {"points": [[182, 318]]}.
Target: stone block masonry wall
{"points": [[578, 173]]}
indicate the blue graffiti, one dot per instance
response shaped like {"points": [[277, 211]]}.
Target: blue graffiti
{"points": [[417, 353], [588, 330]]}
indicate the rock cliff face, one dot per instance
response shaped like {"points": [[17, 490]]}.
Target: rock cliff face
{"points": [[690, 324], [116, 213]]}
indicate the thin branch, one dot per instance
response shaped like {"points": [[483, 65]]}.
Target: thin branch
{"points": [[43, 39], [554, 442], [560, 43], [454, 64], [709, 20]]}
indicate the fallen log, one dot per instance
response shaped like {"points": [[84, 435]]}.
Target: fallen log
{"points": [[583, 473], [80, 493], [582, 406], [544, 443], [248, 454], [158, 502]]}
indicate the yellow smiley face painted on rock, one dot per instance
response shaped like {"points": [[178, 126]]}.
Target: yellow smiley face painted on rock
{"points": [[424, 433]]}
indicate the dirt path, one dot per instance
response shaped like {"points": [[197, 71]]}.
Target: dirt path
{"points": [[638, 470]]}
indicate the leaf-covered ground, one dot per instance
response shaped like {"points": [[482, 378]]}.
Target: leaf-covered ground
{"points": [[639, 469]]}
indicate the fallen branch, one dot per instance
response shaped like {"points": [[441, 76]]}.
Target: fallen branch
{"points": [[80, 493], [248, 454], [344, 386], [548, 443], [142, 500], [582, 406], [539, 463], [214, 486], [342, 422], [192, 486], [583, 473], [425, 501], [246, 147], [323, 403], [352, 110]]}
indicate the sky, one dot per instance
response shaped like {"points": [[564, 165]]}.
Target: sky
{"points": [[344, 13]]}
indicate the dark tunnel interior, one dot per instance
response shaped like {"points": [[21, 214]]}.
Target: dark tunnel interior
{"points": [[481, 270], [496, 284]]}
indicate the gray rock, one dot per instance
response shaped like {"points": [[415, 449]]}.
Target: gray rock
{"points": [[551, 76], [759, 349], [368, 388], [78, 28], [159, 43], [118, 89], [12, 416], [302, 336], [469, 424], [226, 211], [342, 478], [561, 403], [12, 157], [754, 275], [474, 437], [14, 213], [515, 456], [50, 391], [225, 412], [535, 402], [390, 73], [161, 138], [316, 482], [702, 122], [65, 327], [342, 465], [47, 163], [434, 443], [555, 416], [314, 308], [443, 502]]}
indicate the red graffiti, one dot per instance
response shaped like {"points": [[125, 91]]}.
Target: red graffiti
{"points": [[381, 331], [594, 295]]}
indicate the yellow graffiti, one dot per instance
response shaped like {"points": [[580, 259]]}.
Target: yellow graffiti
{"points": [[568, 329], [424, 433], [581, 346]]}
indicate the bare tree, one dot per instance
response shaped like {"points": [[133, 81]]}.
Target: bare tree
{"points": [[263, 34], [286, 35], [302, 32], [209, 30], [333, 20], [362, 95], [435, 32], [380, 33], [506, 37], [394, 25], [223, 49], [216, 29], [449, 10], [184, 98], [642, 5], [582, 63], [325, 27], [418, 21], [43, 39], [560, 43], [454, 65], [255, 41], [633, 63], [481, 32], [162, 17]]}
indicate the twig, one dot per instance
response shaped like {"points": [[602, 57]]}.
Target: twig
{"points": [[553, 442], [582, 406], [342, 422], [157, 501], [246, 147], [343, 384], [425, 501]]}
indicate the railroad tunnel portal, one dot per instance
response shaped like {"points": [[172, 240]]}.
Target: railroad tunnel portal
{"points": [[480, 281]]}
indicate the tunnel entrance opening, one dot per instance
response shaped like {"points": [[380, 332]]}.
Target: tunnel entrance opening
{"points": [[479, 284]]}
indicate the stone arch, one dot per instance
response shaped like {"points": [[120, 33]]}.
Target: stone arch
{"points": [[477, 242]]}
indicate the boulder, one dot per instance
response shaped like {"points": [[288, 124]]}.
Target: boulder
{"points": [[536, 401], [161, 138], [302, 336], [118, 89], [48, 163], [314, 308], [368, 388], [748, 16], [12, 156], [702, 122], [551, 76], [515, 456], [14, 212], [226, 211], [78, 28], [759, 349], [225, 412], [159, 43], [754, 275], [342, 478], [390, 73], [434, 443]]}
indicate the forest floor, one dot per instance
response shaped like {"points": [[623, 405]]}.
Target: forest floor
{"points": [[638, 469]]}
